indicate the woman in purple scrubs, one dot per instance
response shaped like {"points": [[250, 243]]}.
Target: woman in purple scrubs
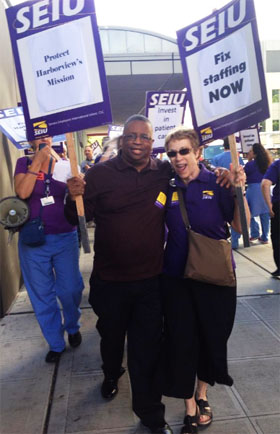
{"points": [[259, 161], [198, 316], [50, 271]]}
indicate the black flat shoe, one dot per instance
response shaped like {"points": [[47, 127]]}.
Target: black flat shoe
{"points": [[75, 339], [109, 388], [53, 356], [204, 410], [276, 273], [190, 425], [166, 429]]}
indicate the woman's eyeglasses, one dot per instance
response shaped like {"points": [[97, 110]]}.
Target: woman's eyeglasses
{"points": [[184, 151]]}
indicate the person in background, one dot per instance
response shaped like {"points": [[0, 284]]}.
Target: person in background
{"points": [[110, 150], [88, 162], [224, 160], [126, 196], [63, 154], [198, 317], [50, 271], [259, 160], [272, 177]]}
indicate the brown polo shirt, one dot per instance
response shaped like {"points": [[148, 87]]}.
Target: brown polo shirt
{"points": [[128, 209]]}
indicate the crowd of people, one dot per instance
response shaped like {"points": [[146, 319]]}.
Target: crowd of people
{"points": [[177, 328]]}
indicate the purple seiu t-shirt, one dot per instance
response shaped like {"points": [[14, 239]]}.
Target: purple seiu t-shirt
{"points": [[209, 207], [253, 173], [52, 215], [273, 174]]}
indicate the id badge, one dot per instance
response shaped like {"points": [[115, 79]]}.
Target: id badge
{"points": [[47, 200]]}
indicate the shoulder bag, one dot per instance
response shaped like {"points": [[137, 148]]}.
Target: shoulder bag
{"points": [[209, 260]]}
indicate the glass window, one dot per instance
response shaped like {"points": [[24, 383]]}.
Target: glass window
{"points": [[117, 41], [152, 44], [275, 95], [275, 125], [262, 126], [135, 42]]}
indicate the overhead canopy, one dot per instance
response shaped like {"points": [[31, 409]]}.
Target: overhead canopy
{"points": [[137, 61]]}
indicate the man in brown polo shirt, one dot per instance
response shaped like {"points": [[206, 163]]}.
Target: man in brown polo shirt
{"points": [[126, 197]]}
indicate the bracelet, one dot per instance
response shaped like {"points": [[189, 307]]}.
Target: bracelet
{"points": [[32, 173]]}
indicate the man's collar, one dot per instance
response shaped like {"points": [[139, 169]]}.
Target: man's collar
{"points": [[123, 164]]}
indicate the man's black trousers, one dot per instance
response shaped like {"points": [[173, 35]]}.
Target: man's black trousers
{"points": [[132, 309]]}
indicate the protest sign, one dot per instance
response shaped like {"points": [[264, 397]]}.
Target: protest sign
{"points": [[248, 137], [12, 124], [115, 131], [166, 111], [223, 70], [59, 64]]}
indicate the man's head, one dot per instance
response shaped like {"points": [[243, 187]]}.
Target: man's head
{"points": [[88, 152], [136, 141]]}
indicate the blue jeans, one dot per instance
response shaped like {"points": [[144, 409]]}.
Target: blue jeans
{"points": [[234, 238], [51, 272], [255, 227]]}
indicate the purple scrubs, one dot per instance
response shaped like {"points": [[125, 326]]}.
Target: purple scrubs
{"points": [[51, 271]]}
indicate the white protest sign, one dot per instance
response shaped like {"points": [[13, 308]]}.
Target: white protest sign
{"points": [[223, 70], [57, 73], [166, 111], [248, 138], [224, 73]]}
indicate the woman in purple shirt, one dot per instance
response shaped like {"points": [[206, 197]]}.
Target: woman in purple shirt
{"points": [[50, 271], [259, 161], [198, 316]]}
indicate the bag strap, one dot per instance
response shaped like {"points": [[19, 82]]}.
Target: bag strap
{"points": [[183, 209]]}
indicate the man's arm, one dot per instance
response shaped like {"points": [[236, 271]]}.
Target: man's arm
{"points": [[265, 186]]}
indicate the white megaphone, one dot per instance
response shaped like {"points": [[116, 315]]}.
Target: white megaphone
{"points": [[13, 213]]}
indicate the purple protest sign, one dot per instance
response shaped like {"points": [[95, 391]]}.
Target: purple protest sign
{"points": [[59, 66], [223, 70], [166, 110]]}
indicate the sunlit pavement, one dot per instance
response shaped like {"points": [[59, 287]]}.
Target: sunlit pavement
{"points": [[38, 398]]}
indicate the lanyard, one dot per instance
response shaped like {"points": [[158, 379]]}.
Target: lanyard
{"points": [[47, 179]]}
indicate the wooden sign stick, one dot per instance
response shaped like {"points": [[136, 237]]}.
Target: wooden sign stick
{"points": [[239, 192], [78, 199]]}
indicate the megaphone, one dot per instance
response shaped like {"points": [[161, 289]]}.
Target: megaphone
{"points": [[13, 212]]}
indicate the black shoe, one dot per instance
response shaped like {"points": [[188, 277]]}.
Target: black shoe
{"points": [[75, 339], [276, 273], [190, 425], [53, 356], [109, 388], [166, 429]]}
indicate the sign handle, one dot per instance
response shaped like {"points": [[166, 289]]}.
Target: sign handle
{"points": [[78, 199], [239, 193]]}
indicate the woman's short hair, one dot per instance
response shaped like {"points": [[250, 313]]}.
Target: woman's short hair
{"points": [[181, 133]]}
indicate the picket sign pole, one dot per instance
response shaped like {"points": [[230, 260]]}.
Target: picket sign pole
{"points": [[78, 199], [239, 192]]}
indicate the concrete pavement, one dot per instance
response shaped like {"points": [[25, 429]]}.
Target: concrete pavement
{"points": [[38, 398]]}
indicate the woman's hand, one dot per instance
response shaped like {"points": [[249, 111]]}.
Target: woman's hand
{"points": [[76, 186], [42, 155]]}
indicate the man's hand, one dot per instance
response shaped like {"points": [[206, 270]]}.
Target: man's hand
{"points": [[76, 186], [222, 177], [230, 177]]}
